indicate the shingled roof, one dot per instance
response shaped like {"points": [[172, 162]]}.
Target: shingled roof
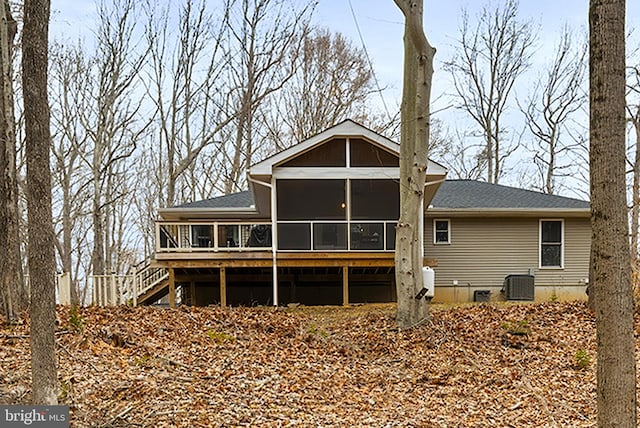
{"points": [[471, 194], [453, 194], [232, 200]]}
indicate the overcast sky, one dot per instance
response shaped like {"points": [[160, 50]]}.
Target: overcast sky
{"points": [[381, 26], [377, 25]]}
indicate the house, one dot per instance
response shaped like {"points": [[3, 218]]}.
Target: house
{"points": [[317, 226], [481, 233]]}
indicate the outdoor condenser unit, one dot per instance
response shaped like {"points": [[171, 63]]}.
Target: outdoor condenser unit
{"points": [[519, 287]]}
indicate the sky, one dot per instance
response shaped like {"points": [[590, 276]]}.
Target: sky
{"points": [[378, 26], [381, 26]]}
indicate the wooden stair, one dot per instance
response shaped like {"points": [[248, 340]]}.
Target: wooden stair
{"points": [[144, 286], [151, 284]]}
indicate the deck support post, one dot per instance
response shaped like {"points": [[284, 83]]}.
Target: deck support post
{"points": [[293, 294], [134, 287], [345, 285], [172, 288], [274, 239], [223, 287]]}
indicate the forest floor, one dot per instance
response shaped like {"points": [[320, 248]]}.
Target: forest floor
{"points": [[482, 365]]}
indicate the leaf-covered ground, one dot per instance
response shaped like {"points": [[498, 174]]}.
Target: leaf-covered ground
{"points": [[483, 365]]}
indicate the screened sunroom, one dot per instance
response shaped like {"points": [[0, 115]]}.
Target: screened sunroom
{"points": [[337, 215]]}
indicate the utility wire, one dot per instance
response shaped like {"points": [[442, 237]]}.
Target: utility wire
{"points": [[366, 54]]}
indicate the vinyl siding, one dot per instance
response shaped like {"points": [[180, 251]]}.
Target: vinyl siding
{"points": [[483, 251]]}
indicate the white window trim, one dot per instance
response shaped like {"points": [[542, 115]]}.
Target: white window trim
{"points": [[562, 244], [448, 242]]}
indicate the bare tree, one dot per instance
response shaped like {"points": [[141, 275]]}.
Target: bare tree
{"points": [[611, 278], [71, 89], [633, 118], [41, 240], [414, 145], [462, 158], [113, 124], [333, 82], [555, 98], [148, 184], [267, 37], [13, 296], [490, 58], [188, 88]]}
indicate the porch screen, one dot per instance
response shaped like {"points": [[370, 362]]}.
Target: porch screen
{"points": [[294, 236], [365, 154], [331, 153], [311, 200], [375, 200]]}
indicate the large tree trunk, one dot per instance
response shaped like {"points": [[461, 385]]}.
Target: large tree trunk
{"points": [[611, 288], [41, 239], [414, 142], [13, 296]]}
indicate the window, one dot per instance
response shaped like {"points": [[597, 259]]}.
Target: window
{"points": [[441, 232], [551, 243]]}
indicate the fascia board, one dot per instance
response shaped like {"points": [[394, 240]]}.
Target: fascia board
{"points": [[508, 212], [187, 213]]}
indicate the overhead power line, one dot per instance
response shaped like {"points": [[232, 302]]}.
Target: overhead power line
{"points": [[366, 54]]}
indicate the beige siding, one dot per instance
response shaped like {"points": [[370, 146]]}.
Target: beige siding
{"points": [[483, 251]]}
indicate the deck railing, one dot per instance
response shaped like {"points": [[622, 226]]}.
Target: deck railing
{"points": [[340, 235], [303, 235], [212, 236], [146, 277], [112, 290]]}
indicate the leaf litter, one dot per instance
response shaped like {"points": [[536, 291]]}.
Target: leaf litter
{"points": [[509, 365]]}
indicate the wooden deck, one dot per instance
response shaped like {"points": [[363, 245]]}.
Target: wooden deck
{"points": [[206, 263], [283, 259]]}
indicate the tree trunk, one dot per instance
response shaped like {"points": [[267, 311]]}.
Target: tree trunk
{"points": [[635, 192], [13, 296], [611, 287], [41, 238], [418, 70]]}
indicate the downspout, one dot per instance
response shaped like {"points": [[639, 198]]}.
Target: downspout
{"points": [[274, 235], [421, 227]]}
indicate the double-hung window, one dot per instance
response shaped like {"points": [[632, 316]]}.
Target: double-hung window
{"points": [[441, 232], [551, 243]]}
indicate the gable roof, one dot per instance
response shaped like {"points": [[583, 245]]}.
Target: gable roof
{"points": [[347, 128], [478, 196]]}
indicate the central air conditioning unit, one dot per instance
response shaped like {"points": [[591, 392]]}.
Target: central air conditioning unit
{"points": [[519, 287]]}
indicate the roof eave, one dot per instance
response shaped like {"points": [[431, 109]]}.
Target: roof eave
{"points": [[189, 213], [509, 212]]}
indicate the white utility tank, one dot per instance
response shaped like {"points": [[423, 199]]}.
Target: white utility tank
{"points": [[429, 281]]}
